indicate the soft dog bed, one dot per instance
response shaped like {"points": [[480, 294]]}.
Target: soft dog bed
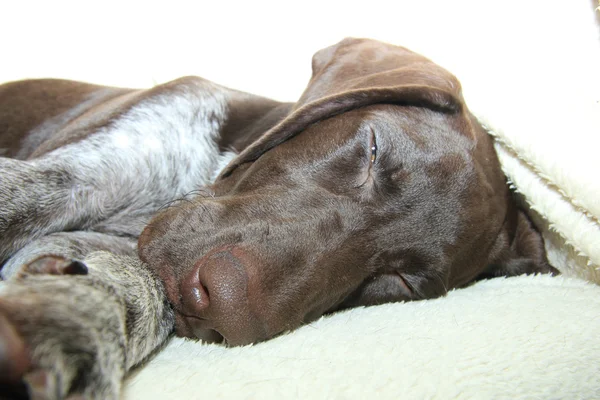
{"points": [[530, 72], [523, 337]]}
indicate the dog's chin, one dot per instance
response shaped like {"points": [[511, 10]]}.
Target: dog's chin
{"points": [[190, 327]]}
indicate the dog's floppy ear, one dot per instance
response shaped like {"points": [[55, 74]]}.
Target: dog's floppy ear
{"points": [[521, 250], [356, 73]]}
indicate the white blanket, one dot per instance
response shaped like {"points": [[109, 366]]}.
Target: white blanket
{"points": [[522, 337]]}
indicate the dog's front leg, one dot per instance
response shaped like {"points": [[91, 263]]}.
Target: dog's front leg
{"points": [[75, 328], [64, 193], [36, 200]]}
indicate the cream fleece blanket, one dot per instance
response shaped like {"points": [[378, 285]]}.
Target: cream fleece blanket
{"points": [[530, 71], [523, 337]]}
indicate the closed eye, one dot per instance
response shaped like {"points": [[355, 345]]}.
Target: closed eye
{"points": [[366, 173], [373, 147], [404, 285]]}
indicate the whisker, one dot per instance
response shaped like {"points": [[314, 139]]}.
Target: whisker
{"points": [[438, 276], [168, 204], [201, 192]]}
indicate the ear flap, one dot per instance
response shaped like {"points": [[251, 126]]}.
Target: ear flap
{"points": [[356, 73], [525, 253]]}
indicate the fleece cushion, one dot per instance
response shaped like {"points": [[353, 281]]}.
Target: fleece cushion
{"points": [[530, 337]]}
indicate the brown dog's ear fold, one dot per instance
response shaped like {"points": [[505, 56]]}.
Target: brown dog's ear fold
{"points": [[376, 68], [525, 253], [356, 73]]}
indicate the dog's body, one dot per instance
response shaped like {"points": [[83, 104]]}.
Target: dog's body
{"points": [[377, 185]]}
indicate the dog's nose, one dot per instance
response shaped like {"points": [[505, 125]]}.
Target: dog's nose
{"points": [[217, 292]]}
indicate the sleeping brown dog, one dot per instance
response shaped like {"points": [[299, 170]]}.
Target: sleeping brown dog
{"points": [[377, 186]]}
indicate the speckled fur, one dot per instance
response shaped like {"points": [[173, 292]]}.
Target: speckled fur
{"points": [[95, 328]]}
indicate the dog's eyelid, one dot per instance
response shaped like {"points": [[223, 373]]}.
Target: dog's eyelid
{"points": [[406, 288], [366, 175], [373, 147]]}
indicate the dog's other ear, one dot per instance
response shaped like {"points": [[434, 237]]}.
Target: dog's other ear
{"points": [[248, 118], [356, 73], [522, 251]]}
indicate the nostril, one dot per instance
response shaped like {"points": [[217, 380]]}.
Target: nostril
{"points": [[194, 294], [228, 312], [200, 296], [207, 335]]}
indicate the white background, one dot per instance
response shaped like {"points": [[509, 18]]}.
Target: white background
{"points": [[266, 46]]}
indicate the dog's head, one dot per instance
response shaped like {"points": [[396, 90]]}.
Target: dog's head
{"points": [[379, 186]]}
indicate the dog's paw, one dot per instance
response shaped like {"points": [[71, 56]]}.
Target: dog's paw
{"points": [[18, 377], [61, 336], [14, 360]]}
